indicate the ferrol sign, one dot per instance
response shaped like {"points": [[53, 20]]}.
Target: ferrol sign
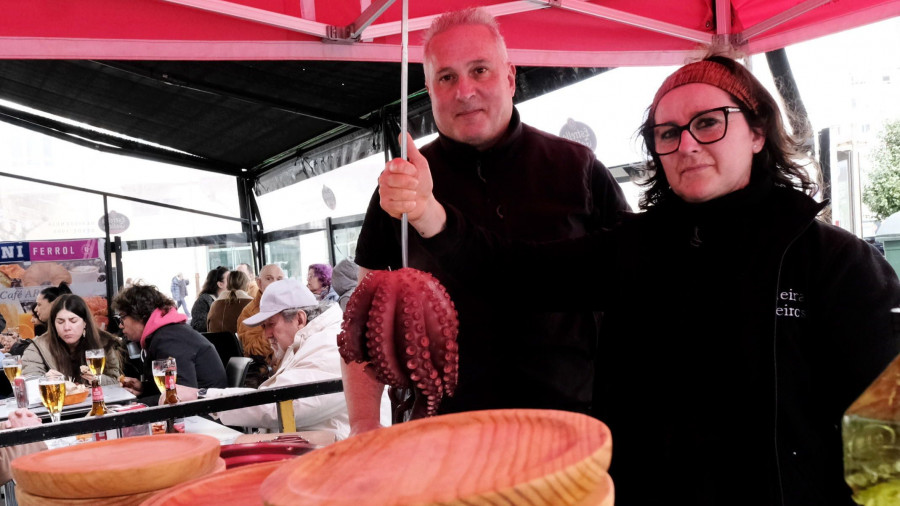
{"points": [[118, 223], [579, 132]]}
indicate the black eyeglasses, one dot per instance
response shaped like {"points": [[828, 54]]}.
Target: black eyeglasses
{"points": [[706, 127]]}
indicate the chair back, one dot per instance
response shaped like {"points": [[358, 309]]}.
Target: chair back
{"points": [[227, 345], [236, 371]]}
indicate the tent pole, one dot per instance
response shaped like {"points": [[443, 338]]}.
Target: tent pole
{"points": [[404, 99]]}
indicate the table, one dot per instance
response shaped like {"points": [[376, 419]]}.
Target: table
{"points": [[112, 394], [200, 425]]}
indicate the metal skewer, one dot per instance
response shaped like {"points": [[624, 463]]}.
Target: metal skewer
{"points": [[404, 92]]}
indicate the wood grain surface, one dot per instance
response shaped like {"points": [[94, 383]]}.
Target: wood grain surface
{"points": [[26, 499], [118, 467], [527, 457], [234, 487]]}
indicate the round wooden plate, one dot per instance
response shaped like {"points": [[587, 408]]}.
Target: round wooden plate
{"points": [[26, 499], [481, 457], [116, 467], [237, 487]]}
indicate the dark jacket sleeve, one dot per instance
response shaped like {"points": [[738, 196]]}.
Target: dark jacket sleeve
{"points": [[376, 247], [859, 288], [199, 312], [608, 199]]}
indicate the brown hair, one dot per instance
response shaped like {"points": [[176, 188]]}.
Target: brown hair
{"points": [[69, 362]]}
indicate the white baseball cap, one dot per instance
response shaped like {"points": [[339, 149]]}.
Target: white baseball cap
{"points": [[280, 295]]}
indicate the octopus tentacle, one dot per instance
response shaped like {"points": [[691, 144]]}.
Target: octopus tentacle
{"points": [[352, 337], [411, 332], [381, 335], [442, 327]]}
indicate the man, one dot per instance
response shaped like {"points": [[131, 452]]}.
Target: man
{"points": [[179, 292], [253, 289], [18, 419], [150, 318], [253, 339], [520, 183], [306, 332]]}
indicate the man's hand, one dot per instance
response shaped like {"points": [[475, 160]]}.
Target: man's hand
{"points": [[21, 418], [133, 385], [184, 394], [406, 187]]}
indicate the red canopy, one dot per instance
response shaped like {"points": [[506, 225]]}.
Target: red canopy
{"points": [[592, 33]]}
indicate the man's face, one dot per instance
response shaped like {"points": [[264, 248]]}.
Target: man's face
{"points": [[132, 328], [279, 332], [268, 275], [471, 85], [243, 268]]}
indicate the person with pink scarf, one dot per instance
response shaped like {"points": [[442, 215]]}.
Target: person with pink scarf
{"points": [[149, 317]]}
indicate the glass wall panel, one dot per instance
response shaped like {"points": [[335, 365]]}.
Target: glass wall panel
{"points": [[33, 211], [145, 221], [31, 154], [158, 243]]}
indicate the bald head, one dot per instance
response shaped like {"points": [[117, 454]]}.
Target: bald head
{"points": [[269, 274]]}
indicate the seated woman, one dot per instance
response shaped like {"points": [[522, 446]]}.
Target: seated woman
{"points": [[737, 326], [318, 280], [43, 302], [213, 287], [71, 332], [224, 312]]}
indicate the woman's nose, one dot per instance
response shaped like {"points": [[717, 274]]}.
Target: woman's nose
{"points": [[688, 143]]}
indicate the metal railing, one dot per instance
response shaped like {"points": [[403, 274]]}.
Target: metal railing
{"points": [[284, 396]]}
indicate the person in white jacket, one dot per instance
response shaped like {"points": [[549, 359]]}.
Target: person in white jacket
{"points": [[306, 331]]}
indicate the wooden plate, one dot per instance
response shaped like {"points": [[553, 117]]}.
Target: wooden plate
{"points": [[237, 455], [117, 467], [238, 487], [26, 499], [75, 398], [482, 457]]}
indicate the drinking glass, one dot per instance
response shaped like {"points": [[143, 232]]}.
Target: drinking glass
{"points": [[53, 394], [96, 361], [160, 368], [12, 366]]}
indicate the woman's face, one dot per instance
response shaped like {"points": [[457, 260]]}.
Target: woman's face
{"points": [[701, 172], [69, 327], [312, 282], [42, 308], [223, 285]]}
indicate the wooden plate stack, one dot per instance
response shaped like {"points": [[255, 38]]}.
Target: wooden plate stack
{"points": [[517, 457], [116, 472], [235, 487]]}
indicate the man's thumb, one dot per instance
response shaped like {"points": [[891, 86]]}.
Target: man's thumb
{"points": [[412, 152]]}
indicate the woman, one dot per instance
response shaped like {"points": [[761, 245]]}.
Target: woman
{"points": [[318, 280], [43, 303], [224, 312], [737, 327], [71, 332], [213, 287]]}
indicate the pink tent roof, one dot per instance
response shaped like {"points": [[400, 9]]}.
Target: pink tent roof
{"points": [[594, 33]]}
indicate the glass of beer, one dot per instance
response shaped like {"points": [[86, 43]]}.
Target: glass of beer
{"points": [[160, 369], [53, 394], [96, 361], [12, 366]]}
